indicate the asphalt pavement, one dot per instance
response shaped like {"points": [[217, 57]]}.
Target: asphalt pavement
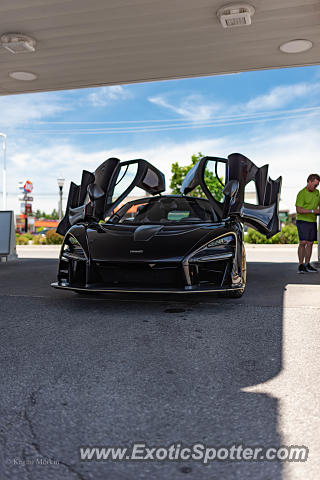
{"points": [[111, 370]]}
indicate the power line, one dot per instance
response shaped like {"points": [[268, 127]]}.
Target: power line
{"points": [[222, 117], [171, 127]]}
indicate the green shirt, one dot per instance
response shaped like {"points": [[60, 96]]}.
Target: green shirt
{"points": [[309, 201]]}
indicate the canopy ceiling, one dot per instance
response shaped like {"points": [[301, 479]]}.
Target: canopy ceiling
{"points": [[84, 43]]}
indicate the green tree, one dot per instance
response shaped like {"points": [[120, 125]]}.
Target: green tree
{"points": [[54, 215], [38, 214], [47, 216], [179, 173]]}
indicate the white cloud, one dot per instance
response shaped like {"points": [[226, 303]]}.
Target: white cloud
{"points": [[278, 97], [105, 95], [196, 108], [292, 152], [193, 107], [42, 165], [19, 109]]}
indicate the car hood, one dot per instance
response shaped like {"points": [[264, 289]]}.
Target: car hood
{"points": [[116, 243]]}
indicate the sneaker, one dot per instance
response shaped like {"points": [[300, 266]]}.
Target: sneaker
{"points": [[302, 269], [310, 268]]}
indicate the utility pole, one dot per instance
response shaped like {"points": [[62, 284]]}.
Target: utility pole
{"points": [[60, 181], [26, 217]]}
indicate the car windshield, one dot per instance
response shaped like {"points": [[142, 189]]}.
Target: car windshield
{"points": [[166, 210]]}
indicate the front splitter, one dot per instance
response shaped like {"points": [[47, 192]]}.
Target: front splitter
{"points": [[93, 289]]}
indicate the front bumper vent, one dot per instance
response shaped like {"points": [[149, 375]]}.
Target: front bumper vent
{"points": [[163, 275]]}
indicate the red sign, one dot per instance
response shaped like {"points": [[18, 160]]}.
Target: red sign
{"points": [[28, 187], [28, 209]]}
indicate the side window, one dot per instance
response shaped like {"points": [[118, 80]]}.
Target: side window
{"points": [[214, 177], [250, 193], [133, 212], [126, 175]]}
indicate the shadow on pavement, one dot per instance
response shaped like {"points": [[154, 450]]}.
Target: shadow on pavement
{"points": [[116, 369]]}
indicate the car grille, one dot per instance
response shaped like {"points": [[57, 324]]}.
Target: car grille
{"points": [[141, 274], [210, 273]]}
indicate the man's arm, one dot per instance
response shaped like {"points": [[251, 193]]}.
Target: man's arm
{"points": [[306, 210]]}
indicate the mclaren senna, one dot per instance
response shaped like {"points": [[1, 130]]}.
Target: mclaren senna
{"points": [[163, 243]]}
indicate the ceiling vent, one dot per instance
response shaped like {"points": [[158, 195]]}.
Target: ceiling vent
{"points": [[18, 43], [235, 15]]}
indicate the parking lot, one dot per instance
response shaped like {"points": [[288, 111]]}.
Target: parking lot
{"points": [[117, 369]]}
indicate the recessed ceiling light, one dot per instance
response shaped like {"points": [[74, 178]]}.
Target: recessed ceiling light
{"points": [[18, 43], [25, 76], [296, 46]]}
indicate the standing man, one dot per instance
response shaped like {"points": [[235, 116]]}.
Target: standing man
{"points": [[307, 205]]}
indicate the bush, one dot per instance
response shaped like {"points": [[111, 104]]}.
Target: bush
{"points": [[253, 236], [28, 235], [288, 234], [22, 240], [39, 240], [53, 238]]}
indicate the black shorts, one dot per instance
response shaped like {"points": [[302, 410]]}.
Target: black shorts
{"points": [[307, 230]]}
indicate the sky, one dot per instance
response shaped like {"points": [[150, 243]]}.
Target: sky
{"points": [[270, 116]]}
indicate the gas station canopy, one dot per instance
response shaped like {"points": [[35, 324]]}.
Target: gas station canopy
{"points": [[65, 44]]}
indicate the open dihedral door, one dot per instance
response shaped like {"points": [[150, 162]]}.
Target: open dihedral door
{"points": [[196, 177], [100, 192], [264, 216]]}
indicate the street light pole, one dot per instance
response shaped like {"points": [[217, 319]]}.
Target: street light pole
{"points": [[4, 172], [60, 182]]}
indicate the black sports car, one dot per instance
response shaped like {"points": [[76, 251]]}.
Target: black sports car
{"points": [[163, 243]]}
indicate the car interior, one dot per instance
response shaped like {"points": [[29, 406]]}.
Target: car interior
{"points": [[166, 210]]}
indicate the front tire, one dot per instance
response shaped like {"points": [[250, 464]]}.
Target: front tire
{"points": [[234, 293], [237, 293]]}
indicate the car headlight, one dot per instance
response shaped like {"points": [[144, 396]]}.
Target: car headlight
{"points": [[209, 252], [227, 240]]}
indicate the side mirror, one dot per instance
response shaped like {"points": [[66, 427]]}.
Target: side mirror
{"points": [[230, 191], [95, 192]]}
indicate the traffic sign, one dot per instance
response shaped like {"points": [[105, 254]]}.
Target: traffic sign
{"points": [[28, 186]]}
